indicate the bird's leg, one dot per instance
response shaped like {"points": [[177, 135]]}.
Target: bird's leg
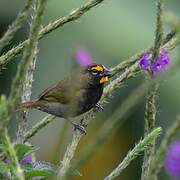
{"points": [[99, 106], [81, 126]]}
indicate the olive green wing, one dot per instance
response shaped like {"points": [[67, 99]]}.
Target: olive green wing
{"points": [[64, 92]]}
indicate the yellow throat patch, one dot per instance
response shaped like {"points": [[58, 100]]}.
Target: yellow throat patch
{"points": [[104, 79]]}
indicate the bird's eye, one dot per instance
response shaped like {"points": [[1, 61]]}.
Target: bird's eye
{"points": [[94, 73]]}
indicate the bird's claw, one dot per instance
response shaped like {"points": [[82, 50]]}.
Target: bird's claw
{"points": [[99, 107], [81, 126]]}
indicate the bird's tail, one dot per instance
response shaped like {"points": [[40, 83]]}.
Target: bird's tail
{"points": [[27, 105]]}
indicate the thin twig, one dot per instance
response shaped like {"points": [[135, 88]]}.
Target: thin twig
{"points": [[72, 16], [69, 154], [16, 25], [46, 120], [141, 146]]}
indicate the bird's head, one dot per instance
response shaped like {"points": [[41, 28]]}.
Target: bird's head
{"points": [[98, 74]]}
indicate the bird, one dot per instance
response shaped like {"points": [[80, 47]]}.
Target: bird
{"points": [[74, 95]]}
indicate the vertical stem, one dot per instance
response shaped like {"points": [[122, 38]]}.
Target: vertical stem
{"points": [[150, 118], [26, 94], [27, 87], [150, 103], [18, 81], [159, 29], [17, 171]]}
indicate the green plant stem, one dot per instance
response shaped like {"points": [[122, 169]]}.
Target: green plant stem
{"points": [[69, 154], [27, 86], [150, 117], [141, 146], [157, 161], [46, 120], [26, 94], [17, 84], [17, 171], [16, 25], [159, 29], [72, 16]]}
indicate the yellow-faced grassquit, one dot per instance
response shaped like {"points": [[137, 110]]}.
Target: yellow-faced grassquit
{"points": [[74, 95]]}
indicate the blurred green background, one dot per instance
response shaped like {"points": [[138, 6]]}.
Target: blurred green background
{"points": [[111, 32]]}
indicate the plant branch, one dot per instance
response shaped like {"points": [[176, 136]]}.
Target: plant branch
{"points": [[27, 86], [26, 94], [141, 146], [72, 16], [46, 120], [69, 154], [16, 25]]}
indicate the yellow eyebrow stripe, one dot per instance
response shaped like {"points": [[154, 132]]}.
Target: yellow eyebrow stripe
{"points": [[98, 68]]}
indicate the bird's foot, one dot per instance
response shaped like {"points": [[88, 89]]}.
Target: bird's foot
{"points": [[81, 126], [99, 107]]}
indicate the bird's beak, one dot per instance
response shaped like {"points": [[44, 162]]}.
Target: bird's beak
{"points": [[105, 76], [107, 73]]}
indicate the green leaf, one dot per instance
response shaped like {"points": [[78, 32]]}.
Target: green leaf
{"points": [[40, 169], [21, 150], [37, 173]]}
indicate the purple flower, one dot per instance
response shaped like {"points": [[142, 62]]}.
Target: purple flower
{"points": [[7, 161], [165, 58], [172, 160], [145, 61], [162, 63], [83, 57], [159, 65], [27, 159], [156, 67]]}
